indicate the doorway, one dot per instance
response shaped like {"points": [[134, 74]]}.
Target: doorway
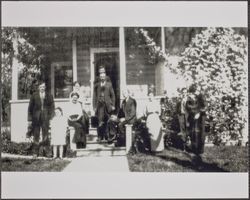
{"points": [[109, 59]]}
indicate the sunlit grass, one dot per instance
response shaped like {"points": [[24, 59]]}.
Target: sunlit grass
{"points": [[214, 159], [37, 165]]}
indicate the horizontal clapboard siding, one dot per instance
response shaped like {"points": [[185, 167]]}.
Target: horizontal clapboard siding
{"points": [[83, 62], [137, 72]]}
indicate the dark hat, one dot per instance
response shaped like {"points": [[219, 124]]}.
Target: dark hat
{"points": [[76, 82], [101, 70], [59, 108], [192, 88], [74, 94]]}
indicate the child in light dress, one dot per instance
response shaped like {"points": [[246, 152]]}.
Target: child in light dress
{"points": [[58, 132]]}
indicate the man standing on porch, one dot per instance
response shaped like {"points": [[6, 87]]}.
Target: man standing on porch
{"points": [[40, 112], [103, 102]]}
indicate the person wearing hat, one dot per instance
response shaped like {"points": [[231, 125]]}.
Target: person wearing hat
{"points": [[76, 120], [103, 102], [40, 112], [195, 107]]}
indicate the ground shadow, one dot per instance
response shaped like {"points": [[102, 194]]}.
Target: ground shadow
{"points": [[192, 162]]}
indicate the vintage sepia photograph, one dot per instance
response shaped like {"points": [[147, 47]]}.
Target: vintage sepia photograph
{"points": [[124, 99]]}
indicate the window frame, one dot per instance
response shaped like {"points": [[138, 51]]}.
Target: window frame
{"points": [[56, 64]]}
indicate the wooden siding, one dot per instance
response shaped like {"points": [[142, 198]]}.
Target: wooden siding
{"points": [[84, 43], [83, 66]]}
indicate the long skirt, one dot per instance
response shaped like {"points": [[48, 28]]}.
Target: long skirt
{"points": [[196, 131], [156, 135], [80, 131]]}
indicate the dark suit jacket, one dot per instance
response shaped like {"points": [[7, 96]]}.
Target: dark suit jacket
{"points": [[128, 110], [196, 105], [35, 106], [109, 95]]}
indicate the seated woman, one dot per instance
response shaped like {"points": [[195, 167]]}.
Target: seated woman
{"points": [[77, 89], [153, 123], [77, 119]]}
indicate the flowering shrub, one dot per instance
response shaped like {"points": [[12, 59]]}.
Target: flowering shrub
{"points": [[155, 53], [216, 61]]}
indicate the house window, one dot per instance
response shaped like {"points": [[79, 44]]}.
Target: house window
{"points": [[140, 61], [62, 79]]}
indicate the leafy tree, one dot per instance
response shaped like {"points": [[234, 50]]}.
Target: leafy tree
{"points": [[7, 54], [216, 61], [33, 48]]}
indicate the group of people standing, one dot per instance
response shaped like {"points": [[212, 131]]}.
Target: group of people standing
{"points": [[111, 122], [42, 116]]}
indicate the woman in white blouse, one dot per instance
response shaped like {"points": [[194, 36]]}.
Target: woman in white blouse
{"points": [[76, 118], [153, 123], [77, 88]]}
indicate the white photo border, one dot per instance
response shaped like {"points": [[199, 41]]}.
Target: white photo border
{"points": [[124, 185]]}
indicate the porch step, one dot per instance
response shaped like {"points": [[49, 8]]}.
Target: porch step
{"points": [[97, 150], [101, 148], [95, 142], [92, 130]]}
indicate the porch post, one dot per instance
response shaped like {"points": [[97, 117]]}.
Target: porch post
{"points": [[74, 51], [14, 87], [163, 47], [129, 137], [163, 40], [122, 56], [160, 68]]}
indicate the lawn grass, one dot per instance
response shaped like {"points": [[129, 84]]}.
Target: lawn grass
{"points": [[214, 159], [34, 165]]}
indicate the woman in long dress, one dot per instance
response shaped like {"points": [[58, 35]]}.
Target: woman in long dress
{"points": [[77, 88], [154, 124], [76, 118]]}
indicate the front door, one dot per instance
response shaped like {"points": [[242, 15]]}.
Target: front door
{"points": [[110, 61]]}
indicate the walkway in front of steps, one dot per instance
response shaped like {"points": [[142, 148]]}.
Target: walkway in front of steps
{"points": [[98, 164], [98, 157]]}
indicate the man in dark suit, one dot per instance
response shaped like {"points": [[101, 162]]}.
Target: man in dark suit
{"points": [[103, 102], [126, 115], [40, 112]]}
